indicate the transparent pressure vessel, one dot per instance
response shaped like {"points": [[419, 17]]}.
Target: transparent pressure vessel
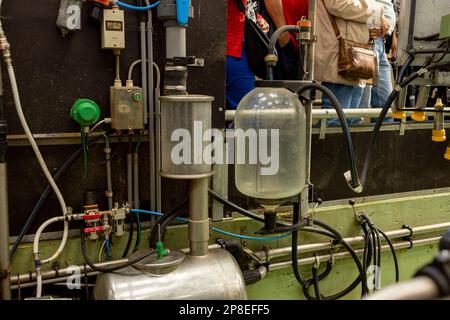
{"points": [[277, 118]]}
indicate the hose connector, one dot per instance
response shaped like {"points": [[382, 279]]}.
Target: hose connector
{"points": [[356, 187]]}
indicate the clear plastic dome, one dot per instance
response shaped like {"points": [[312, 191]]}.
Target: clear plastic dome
{"points": [[280, 169]]}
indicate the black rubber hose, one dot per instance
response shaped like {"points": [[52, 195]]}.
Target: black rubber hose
{"points": [[316, 283], [404, 68], [130, 237], [62, 169], [354, 184], [394, 255], [112, 268], [242, 211], [362, 273], [384, 112], [166, 220], [294, 249]]}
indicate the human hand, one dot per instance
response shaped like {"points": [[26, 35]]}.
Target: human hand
{"points": [[284, 39], [382, 31]]}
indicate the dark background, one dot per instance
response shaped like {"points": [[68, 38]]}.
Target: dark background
{"points": [[53, 72]]}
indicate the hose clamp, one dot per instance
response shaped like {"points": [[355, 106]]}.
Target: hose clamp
{"points": [[410, 236]]}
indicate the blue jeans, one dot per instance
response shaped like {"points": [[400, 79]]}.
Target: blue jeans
{"points": [[240, 80], [349, 97], [381, 92], [376, 96]]}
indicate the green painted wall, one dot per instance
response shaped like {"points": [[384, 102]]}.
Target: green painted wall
{"points": [[388, 214]]}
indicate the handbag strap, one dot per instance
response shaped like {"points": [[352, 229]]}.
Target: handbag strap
{"points": [[241, 6], [333, 23]]}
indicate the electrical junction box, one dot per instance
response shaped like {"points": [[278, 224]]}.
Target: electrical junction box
{"points": [[127, 108], [113, 29], [445, 27]]}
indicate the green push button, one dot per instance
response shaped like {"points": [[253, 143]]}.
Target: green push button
{"points": [[86, 112], [137, 97]]}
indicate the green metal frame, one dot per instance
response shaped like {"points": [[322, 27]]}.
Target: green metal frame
{"points": [[388, 214]]}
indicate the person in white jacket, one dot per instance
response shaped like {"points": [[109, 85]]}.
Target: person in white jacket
{"points": [[376, 96], [356, 20]]}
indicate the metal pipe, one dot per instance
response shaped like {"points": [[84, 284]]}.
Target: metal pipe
{"points": [[51, 281], [312, 14], [198, 227], [109, 190], [319, 114], [151, 109], [345, 255], [142, 29], [5, 285], [130, 179], [136, 180], [52, 274], [421, 288], [175, 40], [314, 247]]}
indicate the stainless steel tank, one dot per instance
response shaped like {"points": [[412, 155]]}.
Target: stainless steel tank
{"points": [[184, 121], [213, 277]]}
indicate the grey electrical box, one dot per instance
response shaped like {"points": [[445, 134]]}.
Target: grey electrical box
{"points": [[113, 29], [127, 108]]}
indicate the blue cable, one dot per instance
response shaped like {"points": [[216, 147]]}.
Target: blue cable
{"points": [[218, 230], [107, 248], [129, 6]]}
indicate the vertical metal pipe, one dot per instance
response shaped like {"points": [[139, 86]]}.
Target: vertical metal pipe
{"points": [[109, 190], [5, 283], [304, 198], [158, 149], [142, 28], [151, 110], [198, 227], [136, 180], [175, 40], [130, 179]]}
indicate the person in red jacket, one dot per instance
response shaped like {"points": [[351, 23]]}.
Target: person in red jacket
{"points": [[239, 79], [281, 13]]}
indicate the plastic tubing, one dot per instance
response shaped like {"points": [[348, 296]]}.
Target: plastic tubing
{"points": [[23, 122], [129, 6], [239, 236], [354, 184]]}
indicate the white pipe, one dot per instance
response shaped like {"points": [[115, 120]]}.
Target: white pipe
{"points": [[36, 249], [19, 110], [421, 288], [330, 113]]}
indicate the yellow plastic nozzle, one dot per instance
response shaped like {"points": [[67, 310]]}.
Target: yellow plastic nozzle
{"points": [[419, 116], [439, 105], [400, 115], [439, 136], [447, 154]]}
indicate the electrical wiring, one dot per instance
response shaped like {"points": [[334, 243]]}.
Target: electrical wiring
{"points": [[394, 255], [129, 6]]}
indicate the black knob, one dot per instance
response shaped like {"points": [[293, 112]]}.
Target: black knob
{"points": [[352, 202]]}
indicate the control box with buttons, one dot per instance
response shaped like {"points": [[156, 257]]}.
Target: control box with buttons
{"points": [[127, 108]]}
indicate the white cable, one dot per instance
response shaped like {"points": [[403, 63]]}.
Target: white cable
{"points": [[36, 249], [101, 251], [20, 114]]}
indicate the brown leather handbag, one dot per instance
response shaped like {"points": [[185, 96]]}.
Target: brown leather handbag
{"points": [[356, 60]]}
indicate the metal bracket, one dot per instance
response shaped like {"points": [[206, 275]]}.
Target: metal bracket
{"points": [[323, 129]]}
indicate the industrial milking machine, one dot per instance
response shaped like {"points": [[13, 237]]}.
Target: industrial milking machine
{"points": [[278, 113]]}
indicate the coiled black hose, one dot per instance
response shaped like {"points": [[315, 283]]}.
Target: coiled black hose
{"points": [[354, 184]]}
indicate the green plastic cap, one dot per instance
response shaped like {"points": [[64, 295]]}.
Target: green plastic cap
{"points": [[86, 112]]}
